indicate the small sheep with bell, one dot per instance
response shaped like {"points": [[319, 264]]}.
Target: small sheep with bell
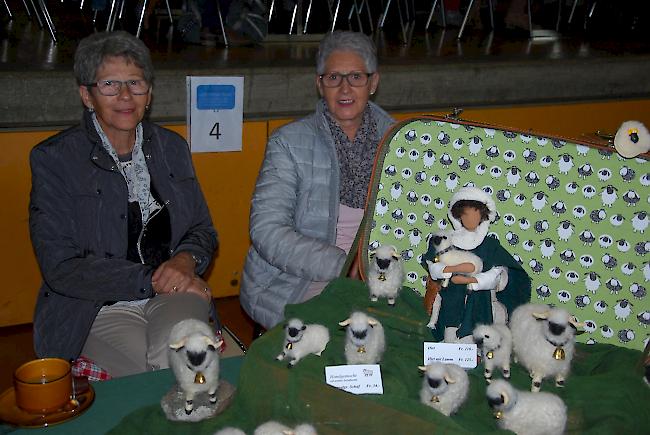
{"points": [[632, 138], [449, 255], [444, 388], [364, 342], [526, 413], [495, 344], [385, 274], [302, 340], [194, 358], [543, 340]]}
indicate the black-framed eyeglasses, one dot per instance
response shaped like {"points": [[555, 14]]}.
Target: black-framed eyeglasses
{"points": [[354, 78], [110, 88]]}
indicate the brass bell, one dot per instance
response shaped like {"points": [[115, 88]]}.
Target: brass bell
{"points": [[361, 349], [435, 399], [199, 378], [289, 346], [498, 415], [558, 353], [382, 276], [489, 355]]}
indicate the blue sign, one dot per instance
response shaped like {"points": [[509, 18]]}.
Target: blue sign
{"points": [[215, 97]]}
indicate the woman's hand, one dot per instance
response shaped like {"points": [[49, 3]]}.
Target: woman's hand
{"points": [[200, 288], [174, 275]]}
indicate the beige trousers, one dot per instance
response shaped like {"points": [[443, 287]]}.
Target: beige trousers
{"points": [[129, 339]]}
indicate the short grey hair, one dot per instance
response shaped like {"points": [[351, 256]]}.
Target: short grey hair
{"points": [[347, 41], [94, 49]]}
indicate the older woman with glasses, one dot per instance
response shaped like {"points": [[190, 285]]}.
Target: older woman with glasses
{"points": [[311, 190], [118, 222]]}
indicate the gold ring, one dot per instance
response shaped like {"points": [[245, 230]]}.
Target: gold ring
{"points": [[174, 288], [207, 290]]}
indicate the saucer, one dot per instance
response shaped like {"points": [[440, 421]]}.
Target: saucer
{"points": [[12, 414]]}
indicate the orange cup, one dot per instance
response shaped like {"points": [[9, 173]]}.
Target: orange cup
{"points": [[43, 385]]}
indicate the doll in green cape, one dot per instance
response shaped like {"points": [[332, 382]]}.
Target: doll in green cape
{"points": [[473, 297]]}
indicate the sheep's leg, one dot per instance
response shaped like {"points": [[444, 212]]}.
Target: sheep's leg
{"points": [[559, 380], [373, 298], [292, 362], [189, 402], [391, 302], [506, 371], [488, 375], [213, 395], [536, 384], [281, 356]]}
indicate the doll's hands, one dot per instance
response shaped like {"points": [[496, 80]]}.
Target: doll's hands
{"points": [[436, 270], [494, 279]]}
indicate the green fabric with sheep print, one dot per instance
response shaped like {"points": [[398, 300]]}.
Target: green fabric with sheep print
{"points": [[575, 216], [604, 393]]}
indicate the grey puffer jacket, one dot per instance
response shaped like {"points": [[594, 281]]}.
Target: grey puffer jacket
{"points": [[78, 223], [293, 217]]}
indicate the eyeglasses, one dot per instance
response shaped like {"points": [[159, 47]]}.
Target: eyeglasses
{"points": [[110, 88], [355, 79]]}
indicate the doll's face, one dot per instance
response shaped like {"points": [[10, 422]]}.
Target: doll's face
{"points": [[470, 218]]}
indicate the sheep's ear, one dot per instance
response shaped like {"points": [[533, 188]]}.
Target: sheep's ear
{"points": [[541, 316], [303, 327], [422, 368], [210, 342], [393, 251], [346, 322], [574, 322], [505, 398], [449, 379], [177, 346], [372, 322]]}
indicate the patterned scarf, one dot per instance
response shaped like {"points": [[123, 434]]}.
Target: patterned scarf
{"points": [[356, 158], [134, 171]]}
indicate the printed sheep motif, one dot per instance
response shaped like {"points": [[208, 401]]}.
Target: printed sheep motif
{"points": [[302, 340], [365, 342], [194, 359], [526, 413], [445, 387], [495, 344], [277, 428], [544, 341], [386, 274]]}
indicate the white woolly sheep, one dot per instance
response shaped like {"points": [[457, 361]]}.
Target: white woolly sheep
{"points": [[495, 343], [365, 342], [543, 340], [385, 274], [444, 387], [448, 254], [302, 340], [526, 413], [194, 358], [276, 428]]}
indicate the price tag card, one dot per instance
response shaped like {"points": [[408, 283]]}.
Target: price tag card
{"points": [[356, 379], [215, 113], [463, 355]]}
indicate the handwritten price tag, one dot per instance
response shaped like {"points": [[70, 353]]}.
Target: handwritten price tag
{"points": [[463, 355], [356, 379]]}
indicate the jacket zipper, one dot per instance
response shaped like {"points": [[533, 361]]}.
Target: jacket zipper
{"points": [[144, 227]]}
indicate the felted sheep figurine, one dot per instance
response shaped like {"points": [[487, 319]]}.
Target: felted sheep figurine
{"points": [[386, 274], [301, 340], [495, 344], [526, 413], [543, 339], [445, 387], [632, 139], [194, 359], [448, 254], [276, 428], [365, 342]]}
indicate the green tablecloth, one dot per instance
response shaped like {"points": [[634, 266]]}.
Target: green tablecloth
{"points": [[119, 397], [604, 394]]}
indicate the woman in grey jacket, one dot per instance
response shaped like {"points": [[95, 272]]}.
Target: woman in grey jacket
{"points": [[311, 189], [118, 222]]}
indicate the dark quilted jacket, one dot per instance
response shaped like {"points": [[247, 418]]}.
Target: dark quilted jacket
{"points": [[78, 218]]}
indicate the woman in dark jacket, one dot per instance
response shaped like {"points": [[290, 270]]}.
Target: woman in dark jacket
{"points": [[118, 222]]}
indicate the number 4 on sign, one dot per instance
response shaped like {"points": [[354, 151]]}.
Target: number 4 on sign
{"points": [[215, 131]]}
